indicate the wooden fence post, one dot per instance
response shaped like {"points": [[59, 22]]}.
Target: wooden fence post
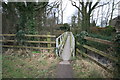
{"points": [[48, 39]]}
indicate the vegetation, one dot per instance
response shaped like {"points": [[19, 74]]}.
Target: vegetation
{"points": [[39, 66], [30, 17], [20, 37], [105, 32], [117, 51], [86, 69], [86, 12], [65, 27]]}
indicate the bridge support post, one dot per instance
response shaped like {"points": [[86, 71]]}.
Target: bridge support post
{"points": [[57, 46]]}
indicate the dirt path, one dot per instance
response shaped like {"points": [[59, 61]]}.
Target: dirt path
{"points": [[64, 69]]}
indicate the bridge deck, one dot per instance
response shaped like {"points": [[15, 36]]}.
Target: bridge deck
{"points": [[66, 51]]}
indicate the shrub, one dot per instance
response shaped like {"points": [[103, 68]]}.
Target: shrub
{"points": [[108, 31], [80, 37], [20, 37]]}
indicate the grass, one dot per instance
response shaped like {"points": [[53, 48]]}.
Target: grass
{"points": [[16, 67], [99, 46], [45, 67], [84, 68], [101, 36]]}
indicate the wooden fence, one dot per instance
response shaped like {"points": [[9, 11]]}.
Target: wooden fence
{"points": [[49, 40], [99, 52]]}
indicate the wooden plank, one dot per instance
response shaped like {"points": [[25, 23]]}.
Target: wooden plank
{"points": [[51, 42], [78, 43], [7, 34], [30, 35], [41, 36], [84, 54], [100, 52], [99, 40], [26, 47], [7, 41]]}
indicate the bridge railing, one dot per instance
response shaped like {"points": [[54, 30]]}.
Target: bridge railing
{"points": [[72, 44], [60, 42]]}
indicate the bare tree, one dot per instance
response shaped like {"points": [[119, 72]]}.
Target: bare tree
{"points": [[113, 3], [97, 16], [86, 9]]}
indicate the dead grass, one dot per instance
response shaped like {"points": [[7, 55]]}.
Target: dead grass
{"points": [[43, 65], [40, 66], [88, 69]]}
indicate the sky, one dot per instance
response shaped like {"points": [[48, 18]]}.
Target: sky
{"points": [[71, 10], [68, 12]]}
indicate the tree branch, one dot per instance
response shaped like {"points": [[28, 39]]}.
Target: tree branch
{"points": [[94, 5], [102, 4], [74, 4]]}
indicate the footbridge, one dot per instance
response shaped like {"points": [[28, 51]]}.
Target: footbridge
{"points": [[65, 45]]}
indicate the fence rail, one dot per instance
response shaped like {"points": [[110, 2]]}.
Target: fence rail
{"points": [[99, 40], [99, 52], [48, 41], [86, 55], [13, 46], [27, 35], [51, 42]]}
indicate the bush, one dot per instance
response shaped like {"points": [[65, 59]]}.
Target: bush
{"points": [[65, 27], [108, 31], [80, 37], [20, 37], [101, 36]]}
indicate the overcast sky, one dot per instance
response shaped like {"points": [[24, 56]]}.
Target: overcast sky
{"points": [[71, 10]]}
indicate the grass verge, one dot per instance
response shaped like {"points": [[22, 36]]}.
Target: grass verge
{"points": [[38, 67]]}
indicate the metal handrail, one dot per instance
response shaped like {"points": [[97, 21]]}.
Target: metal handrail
{"points": [[72, 44]]}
